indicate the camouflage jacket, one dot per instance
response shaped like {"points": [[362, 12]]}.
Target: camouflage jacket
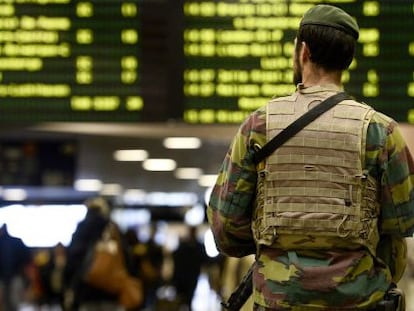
{"points": [[317, 280]]}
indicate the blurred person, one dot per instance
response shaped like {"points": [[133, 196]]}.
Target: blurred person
{"points": [[80, 295], [188, 260], [51, 266], [15, 260], [327, 213], [148, 258]]}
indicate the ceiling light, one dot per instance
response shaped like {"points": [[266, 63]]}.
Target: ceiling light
{"points": [[134, 196], [129, 217], [88, 185], [171, 198], [16, 194], [188, 173], [160, 165], [207, 180], [182, 143], [130, 155]]}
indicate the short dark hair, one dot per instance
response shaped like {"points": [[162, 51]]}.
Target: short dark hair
{"points": [[330, 48]]}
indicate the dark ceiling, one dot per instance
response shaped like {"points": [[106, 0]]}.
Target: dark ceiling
{"points": [[96, 143]]}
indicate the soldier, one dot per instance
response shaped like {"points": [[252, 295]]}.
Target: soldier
{"points": [[326, 213]]}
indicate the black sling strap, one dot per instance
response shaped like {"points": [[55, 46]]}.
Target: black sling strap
{"points": [[297, 125]]}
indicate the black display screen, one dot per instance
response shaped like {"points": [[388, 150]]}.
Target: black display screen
{"points": [[239, 55], [67, 60], [196, 62], [38, 162]]}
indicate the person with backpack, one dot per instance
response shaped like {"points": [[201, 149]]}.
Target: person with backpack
{"points": [[328, 211]]}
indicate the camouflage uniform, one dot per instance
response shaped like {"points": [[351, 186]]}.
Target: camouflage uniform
{"points": [[336, 278]]}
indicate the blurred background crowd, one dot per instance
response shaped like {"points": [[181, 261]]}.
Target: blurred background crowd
{"points": [[189, 275], [186, 277]]}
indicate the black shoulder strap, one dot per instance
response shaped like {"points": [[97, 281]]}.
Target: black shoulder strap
{"points": [[296, 126]]}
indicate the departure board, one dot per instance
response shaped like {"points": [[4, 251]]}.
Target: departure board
{"points": [[70, 60], [239, 55], [191, 61]]}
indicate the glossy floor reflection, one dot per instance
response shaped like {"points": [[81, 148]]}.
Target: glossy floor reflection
{"points": [[206, 299]]}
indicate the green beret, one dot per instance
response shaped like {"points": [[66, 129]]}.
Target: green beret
{"points": [[331, 16]]}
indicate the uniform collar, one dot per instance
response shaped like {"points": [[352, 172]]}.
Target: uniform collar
{"points": [[319, 88]]}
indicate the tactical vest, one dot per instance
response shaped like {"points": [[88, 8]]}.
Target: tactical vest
{"points": [[313, 192]]}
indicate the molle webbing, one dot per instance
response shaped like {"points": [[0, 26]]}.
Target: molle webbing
{"points": [[293, 128], [314, 183]]}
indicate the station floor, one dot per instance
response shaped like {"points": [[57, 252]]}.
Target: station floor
{"points": [[206, 299]]}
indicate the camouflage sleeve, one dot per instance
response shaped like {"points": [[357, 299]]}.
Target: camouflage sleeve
{"points": [[388, 152], [231, 202], [396, 173]]}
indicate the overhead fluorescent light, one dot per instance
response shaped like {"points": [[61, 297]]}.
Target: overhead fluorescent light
{"points": [[160, 165], [130, 155], [15, 194], [188, 173], [134, 196], [129, 217], [207, 180], [171, 198], [88, 185], [182, 142], [140, 197]]}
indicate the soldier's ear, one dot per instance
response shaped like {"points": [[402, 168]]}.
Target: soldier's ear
{"points": [[305, 54]]}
